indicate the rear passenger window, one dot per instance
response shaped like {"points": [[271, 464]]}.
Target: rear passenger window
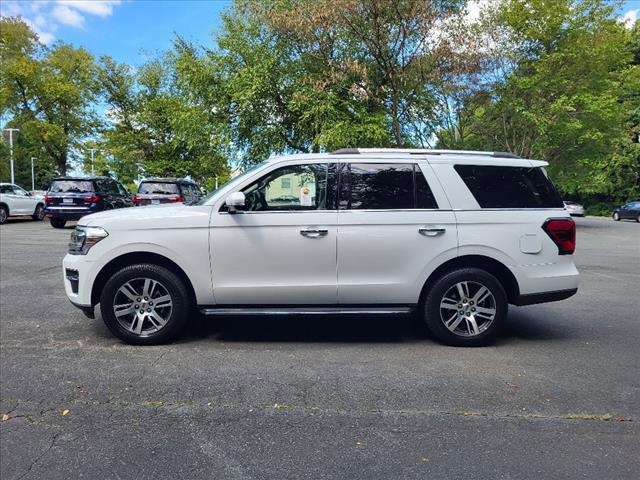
{"points": [[385, 186], [510, 187]]}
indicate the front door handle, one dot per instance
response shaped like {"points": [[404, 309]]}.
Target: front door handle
{"points": [[314, 232], [431, 231]]}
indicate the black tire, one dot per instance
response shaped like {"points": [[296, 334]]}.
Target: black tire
{"points": [[176, 318], [616, 216], [58, 222], [638, 218], [38, 215], [4, 214], [485, 327]]}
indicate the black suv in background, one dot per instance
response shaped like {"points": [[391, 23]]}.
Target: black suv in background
{"points": [[153, 191], [70, 198]]}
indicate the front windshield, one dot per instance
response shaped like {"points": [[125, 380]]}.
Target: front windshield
{"points": [[229, 185]]}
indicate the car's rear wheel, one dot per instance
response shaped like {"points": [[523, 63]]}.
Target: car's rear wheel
{"points": [[465, 307], [58, 222], [616, 216], [4, 214], [39, 213], [145, 304]]}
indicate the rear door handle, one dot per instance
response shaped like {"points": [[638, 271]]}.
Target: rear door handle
{"points": [[314, 232], [431, 231]]}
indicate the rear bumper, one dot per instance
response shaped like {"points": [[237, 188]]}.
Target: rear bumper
{"points": [[544, 297], [67, 213]]}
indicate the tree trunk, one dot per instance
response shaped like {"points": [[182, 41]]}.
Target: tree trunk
{"points": [[61, 163], [395, 127]]}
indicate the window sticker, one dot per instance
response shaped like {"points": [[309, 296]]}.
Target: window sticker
{"points": [[305, 197]]}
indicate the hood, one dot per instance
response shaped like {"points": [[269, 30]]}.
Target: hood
{"points": [[162, 216]]}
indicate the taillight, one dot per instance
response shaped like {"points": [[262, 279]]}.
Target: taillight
{"points": [[176, 199], [563, 233], [136, 200], [48, 198], [92, 198]]}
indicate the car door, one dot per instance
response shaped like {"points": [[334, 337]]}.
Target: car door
{"points": [[23, 202], [392, 231], [281, 249]]}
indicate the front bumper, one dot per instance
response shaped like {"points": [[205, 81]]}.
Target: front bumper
{"points": [[78, 276], [88, 310]]}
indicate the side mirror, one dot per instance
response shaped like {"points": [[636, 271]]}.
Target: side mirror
{"points": [[235, 202]]}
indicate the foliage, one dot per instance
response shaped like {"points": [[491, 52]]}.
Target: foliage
{"points": [[158, 126], [567, 96], [50, 93], [557, 80]]}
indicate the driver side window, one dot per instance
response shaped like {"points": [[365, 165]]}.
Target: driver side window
{"points": [[294, 187], [20, 192]]}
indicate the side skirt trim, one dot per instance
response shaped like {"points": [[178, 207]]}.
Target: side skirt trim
{"points": [[302, 310]]}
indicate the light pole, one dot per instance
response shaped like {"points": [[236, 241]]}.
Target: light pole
{"points": [[33, 174], [92, 150], [11, 130]]}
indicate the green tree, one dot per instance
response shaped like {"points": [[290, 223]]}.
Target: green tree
{"points": [[49, 93], [305, 76], [157, 125], [561, 75]]}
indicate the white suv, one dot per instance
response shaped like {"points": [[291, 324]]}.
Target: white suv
{"points": [[456, 236], [16, 201]]}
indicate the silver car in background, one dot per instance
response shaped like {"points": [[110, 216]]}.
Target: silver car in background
{"points": [[574, 209]]}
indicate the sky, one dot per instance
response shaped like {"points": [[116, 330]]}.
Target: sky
{"points": [[132, 31]]}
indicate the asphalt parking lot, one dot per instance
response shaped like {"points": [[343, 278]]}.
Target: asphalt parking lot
{"points": [[557, 396]]}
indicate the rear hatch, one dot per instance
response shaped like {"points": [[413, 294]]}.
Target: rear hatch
{"points": [[71, 193], [155, 193]]}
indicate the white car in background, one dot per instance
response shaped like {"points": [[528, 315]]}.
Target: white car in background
{"points": [[455, 236], [15, 201], [574, 209]]}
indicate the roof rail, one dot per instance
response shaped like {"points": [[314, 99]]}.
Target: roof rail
{"points": [[422, 151]]}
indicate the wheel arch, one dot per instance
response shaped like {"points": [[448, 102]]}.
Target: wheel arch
{"points": [[491, 265], [5, 206], [131, 258]]}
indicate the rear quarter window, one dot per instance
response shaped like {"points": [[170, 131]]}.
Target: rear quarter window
{"points": [[509, 187]]}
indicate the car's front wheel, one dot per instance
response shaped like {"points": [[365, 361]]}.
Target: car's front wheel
{"points": [[616, 216], [4, 214], [145, 304], [465, 307], [39, 213]]}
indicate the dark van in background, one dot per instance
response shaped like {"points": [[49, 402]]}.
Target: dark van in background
{"points": [[70, 198], [154, 191]]}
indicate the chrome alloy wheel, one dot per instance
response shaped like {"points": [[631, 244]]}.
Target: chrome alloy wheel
{"points": [[142, 306], [3, 215], [468, 308]]}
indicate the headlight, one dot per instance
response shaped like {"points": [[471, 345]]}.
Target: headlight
{"points": [[83, 238]]}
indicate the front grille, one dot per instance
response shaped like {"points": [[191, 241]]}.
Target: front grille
{"points": [[74, 278]]}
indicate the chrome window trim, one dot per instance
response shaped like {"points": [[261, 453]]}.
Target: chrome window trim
{"points": [[242, 212], [556, 209]]}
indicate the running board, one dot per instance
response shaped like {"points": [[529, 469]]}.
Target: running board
{"points": [[344, 310]]}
